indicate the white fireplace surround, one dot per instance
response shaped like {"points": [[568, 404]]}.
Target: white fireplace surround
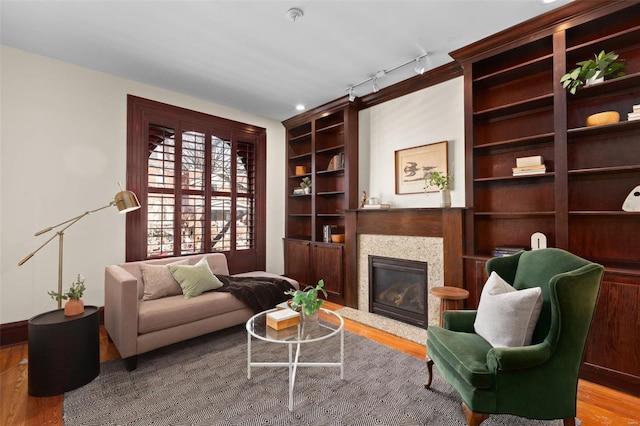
{"points": [[422, 249]]}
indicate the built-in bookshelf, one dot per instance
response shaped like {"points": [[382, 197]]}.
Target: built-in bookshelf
{"points": [[321, 145], [515, 107]]}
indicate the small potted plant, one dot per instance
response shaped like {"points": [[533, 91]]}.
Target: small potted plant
{"points": [[603, 65], [307, 300], [306, 184], [442, 181], [74, 305]]}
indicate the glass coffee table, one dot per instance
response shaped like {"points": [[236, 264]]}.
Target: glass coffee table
{"points": [[329, 324]]}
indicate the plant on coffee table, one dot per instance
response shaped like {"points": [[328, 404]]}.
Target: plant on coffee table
{"points": [[307, 299]]}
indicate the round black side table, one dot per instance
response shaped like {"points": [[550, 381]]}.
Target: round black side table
{"points": [[64, 352]]}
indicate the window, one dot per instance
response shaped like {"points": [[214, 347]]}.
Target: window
{"points": [[200, 181]]}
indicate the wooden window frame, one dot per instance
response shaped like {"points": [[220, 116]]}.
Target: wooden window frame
{"points": [[143, 112]]}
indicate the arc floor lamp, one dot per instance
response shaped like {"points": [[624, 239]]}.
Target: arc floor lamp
{"points": [[125, 201]]}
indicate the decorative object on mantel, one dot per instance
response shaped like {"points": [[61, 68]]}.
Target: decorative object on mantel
{"points": [[443, 182], [632, 202], [74, 305], [602, 118], [538, 241], [377, 206], [414, 165], [125, 201], [604, 65], [363, 200]]}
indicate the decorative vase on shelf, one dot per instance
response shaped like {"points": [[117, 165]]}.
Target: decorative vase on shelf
{"points": [[445, 195], [73, 307]]}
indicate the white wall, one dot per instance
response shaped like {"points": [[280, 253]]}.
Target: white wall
{"points": [[428, 116], [63, 152]]}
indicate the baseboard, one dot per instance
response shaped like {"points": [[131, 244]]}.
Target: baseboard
{"points": [[16, 333]]}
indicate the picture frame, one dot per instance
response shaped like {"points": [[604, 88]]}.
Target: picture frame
{"points": [[413, 165]]}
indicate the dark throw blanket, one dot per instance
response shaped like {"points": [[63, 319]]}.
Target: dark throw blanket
{"points": [[259, 293]]}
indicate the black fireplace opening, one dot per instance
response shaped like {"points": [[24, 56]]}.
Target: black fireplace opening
{"points": [[398, 289]]}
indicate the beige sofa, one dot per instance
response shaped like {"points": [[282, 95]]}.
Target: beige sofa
{"points": [[137, 326]]}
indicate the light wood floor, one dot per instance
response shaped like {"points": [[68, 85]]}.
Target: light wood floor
{"points": [[597, 405]]}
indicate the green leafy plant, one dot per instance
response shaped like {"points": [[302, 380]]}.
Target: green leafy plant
{"points": [[306, 182], [307, 299], [75, 291], [439, 180], [602, 65]]}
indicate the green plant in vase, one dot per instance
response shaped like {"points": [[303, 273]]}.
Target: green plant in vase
{"points": [[440, 180], [603, 65], [307, 300], [306, 184], [75, 305]]}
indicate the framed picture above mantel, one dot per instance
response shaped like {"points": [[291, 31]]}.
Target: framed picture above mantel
{"points": [[413, 165]]}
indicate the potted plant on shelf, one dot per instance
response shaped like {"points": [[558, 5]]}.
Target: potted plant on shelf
{"points": [[603, 65], [306, 184], [443, 182], [307, 300], [74, 305]]}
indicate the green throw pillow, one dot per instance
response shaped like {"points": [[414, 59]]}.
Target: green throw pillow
{"points": [[195, 279]]}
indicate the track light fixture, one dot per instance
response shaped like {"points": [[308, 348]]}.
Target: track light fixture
{"points": [[374, 79], [419, 69], [352, 95]]}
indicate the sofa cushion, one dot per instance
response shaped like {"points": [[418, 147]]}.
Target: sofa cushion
{"points": [[158, 281], [167, 312], [507, 317], [466, 353], [195, 279]]}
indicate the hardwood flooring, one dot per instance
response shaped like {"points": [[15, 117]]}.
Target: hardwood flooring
{"points": [[597, 405]]}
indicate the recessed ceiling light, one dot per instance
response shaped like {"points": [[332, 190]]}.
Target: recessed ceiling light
{"points": [[300, 107], [548, 1]]}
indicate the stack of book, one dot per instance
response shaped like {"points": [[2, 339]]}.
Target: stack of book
{"points": [[505, 251], [635, 114], [376, 206], [529, 166]]}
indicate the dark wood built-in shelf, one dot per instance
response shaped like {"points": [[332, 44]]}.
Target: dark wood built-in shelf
{"points": [[516, 107]]}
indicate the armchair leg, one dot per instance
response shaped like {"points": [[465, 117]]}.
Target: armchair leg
{"points": [[473, 419], [571, 421], [427, 385], [131, 363]]}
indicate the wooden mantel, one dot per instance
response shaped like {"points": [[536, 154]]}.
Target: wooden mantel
{"points": [[419, 222]]}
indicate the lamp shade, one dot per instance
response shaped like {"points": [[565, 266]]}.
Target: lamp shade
{"points": [[126, 201]]}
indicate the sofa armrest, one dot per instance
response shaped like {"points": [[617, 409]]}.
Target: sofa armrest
{"points": [[518, 358], [121, 309], [459, 320]]}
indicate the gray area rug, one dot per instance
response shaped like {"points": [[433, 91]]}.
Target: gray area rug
{"points": [[204, 382]]}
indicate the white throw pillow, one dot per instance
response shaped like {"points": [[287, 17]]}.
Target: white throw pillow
{"points": [[506, 317], [158, 281]]}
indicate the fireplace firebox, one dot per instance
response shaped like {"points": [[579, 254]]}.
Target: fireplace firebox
{"points": [[398, 289]]}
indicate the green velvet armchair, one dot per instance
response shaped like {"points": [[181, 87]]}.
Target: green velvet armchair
{"points": [[538, 381]]}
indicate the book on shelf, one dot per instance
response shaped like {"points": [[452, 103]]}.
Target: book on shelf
{"points": [[336, 162], [529, 170], [635, 115], [534, 160], [298, 191], [501, 251], [376, 206]]}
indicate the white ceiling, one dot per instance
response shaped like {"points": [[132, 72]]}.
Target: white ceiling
{"points": [[247, 54]]}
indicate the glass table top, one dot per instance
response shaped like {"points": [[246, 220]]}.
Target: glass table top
{"points": [[329, 324]]}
